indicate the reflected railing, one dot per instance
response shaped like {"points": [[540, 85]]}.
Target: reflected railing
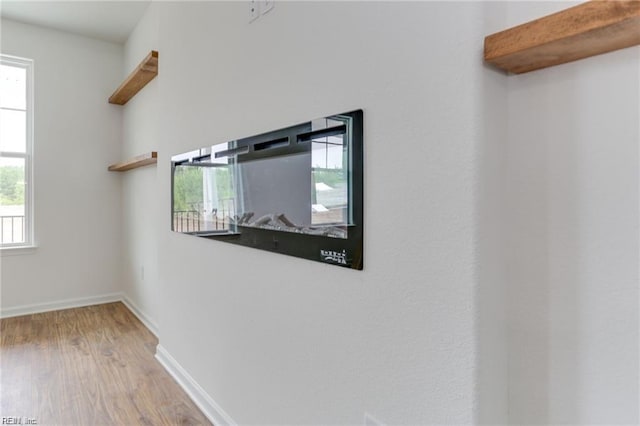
{"points": [[186, 221], [203, 220]]}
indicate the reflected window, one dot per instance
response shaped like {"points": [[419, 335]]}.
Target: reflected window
{"points": [[330, 192]]}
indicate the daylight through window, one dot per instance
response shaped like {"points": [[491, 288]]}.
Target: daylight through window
{"points": [[16, 148]]}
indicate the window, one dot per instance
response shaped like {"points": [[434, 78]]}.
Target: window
{"points": [[330, 185], [16, 152]]}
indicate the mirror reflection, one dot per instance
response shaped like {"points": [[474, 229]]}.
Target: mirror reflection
{"points": [[293, 180]]}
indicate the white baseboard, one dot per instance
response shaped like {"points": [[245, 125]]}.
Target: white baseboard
{"points": [[37, 308], [144, 318], [209, 407]]}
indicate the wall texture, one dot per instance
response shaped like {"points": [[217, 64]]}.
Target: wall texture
{"points": [[77, 135], [278, 340], [489, 234], [573, 283]]}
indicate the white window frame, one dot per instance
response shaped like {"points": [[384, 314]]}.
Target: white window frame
{"points": [[29, 210]]}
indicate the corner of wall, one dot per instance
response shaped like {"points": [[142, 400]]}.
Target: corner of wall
{"points": [[490, 195], [207, 405], [140, 186]]}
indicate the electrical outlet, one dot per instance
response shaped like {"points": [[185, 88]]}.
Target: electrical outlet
{"points": [[254, 10], [266, 5], [369, 420]]}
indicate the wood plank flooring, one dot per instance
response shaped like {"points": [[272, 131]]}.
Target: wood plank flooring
{"points": [[87, 366]]}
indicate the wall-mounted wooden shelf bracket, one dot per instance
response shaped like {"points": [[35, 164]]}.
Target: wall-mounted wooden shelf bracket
{"points": [[139, 161], [588, 29], [143, 74]]}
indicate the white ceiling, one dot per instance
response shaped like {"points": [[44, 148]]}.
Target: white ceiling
{"points": [[106, 20]]}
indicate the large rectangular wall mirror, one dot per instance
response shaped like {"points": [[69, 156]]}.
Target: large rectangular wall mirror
{"points": [[296, 191]]}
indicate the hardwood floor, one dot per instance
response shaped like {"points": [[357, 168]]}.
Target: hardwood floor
{"points": [[87, 366]]}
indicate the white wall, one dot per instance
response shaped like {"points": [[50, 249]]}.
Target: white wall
{"points": [[140, 209], [490, 203], [279, 340], [501, 213], [573, 161], [77, 135]]}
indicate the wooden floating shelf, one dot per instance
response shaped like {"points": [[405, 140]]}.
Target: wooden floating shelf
{"points": [[143, 74], [139, 161], [588, 29]]}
